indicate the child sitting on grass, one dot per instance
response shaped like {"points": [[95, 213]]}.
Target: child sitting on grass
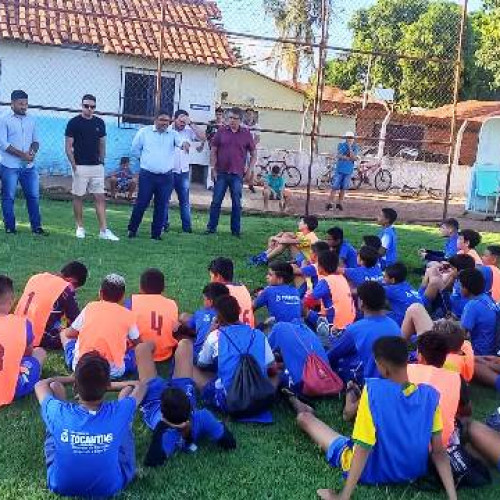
{"points": [[491, 259], [468, 240], [366, 270], [123, 180], [345, 251], [398, 426], [449, 231], [308, 271]]}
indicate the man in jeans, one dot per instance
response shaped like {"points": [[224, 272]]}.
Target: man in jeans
{"points": [[86, 149], [229, 149], [188, 132], [19, 146], [155, 145]]}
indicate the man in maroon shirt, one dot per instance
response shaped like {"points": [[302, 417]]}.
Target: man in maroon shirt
{"points": [[229, 150]]}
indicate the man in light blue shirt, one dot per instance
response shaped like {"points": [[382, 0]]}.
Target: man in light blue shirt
{"points": [[19, 145], [155, 146]]}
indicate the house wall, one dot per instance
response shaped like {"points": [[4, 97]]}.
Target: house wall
{"points": [[59, 77]]}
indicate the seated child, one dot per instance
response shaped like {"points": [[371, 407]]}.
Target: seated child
{"points": [[93, 437], [491, 259], [485, 441], [280, 298], [106, 327], [398, 426], [220, 354], [49, 300], [388, 237], [21, 364], [293, 342], [309, 269], [332, 289], [400, 294], [448, 230], [298, 243], [371, 240], [468, 240], [366, 270], [274, 188], [345, 251], [169, 408], [157, 317], [480, 314], [201, 322], [123, 180], [221, 270]]}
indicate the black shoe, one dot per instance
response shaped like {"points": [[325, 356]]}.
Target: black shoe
{"points": [[157, 238], [236, 235], [10, 231], [252, 189], [40, 232], [339, 207], [187, 231], [166, 229], [132, 234], [209, 231], [329, 206]]}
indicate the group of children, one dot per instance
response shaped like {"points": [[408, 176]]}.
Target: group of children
{"points": [[332, 312]]}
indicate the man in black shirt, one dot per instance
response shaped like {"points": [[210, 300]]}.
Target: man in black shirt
{"points": [[86, 149]]}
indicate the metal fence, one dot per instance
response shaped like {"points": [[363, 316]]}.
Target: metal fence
{"points": [[310, 69]]}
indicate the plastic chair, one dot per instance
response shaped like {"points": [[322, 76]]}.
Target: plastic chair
{"points": [[487, 186]]}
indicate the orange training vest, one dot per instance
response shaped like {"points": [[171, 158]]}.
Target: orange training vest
{"points": [[447, 384], [343, 304], [157, 317], [105, 330], [37, 301], [462, 363], [12, 349], [242, 295], [495, 287]]}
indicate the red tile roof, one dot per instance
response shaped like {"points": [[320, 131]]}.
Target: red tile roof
{"points": [[478, 111], [123, 27]]}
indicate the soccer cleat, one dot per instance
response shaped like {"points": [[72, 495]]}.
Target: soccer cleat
{"points": [[40, 232], [108, 235], [80, 233]]}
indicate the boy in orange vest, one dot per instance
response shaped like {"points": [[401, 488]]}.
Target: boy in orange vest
{"points": [[221, 270], [104, 326], [157, 316], [491, 259], [49, 300], [21, 365]]}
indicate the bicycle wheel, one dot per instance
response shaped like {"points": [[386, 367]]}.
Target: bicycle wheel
{"points": [[292, 176], [383, 180], [356, 180]]}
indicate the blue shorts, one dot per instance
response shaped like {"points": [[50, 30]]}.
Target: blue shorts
{"points": [[123, 184], [214, 395], [150, 406], [29, 375], [339, 453], [341, 181]]}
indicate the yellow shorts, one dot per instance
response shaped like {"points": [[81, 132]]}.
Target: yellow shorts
{"points": [[88, 179]]}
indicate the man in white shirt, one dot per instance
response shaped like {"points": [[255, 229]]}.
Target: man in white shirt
{"points": [[155, 145], [189, 133]]}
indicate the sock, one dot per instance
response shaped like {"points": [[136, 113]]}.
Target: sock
{"points": [[497, 383]]}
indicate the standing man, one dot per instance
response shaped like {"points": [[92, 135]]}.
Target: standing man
{"points": [[212, 128], [250, 122], [155, 146], [347, 155], [86, 149], [228, 158], [188, 133], [19, 146]]}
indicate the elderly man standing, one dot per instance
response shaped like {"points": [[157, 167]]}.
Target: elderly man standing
{"points": [[19, 146], [188, 133], [155, 146], [228, 157]]}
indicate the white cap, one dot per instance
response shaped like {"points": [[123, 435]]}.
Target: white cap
{"points": [[350, 134]]}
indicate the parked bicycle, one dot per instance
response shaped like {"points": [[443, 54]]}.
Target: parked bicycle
{"points": [[290, 172], [422, 191], [370, 171]]}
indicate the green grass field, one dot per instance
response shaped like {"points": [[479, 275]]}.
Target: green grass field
{"points": [[275, 462]]}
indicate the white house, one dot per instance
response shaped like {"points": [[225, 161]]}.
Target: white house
{"points": [[57, 51]]}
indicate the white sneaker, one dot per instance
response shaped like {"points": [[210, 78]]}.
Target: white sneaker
{"points": [[80, 233], [108, 235]]}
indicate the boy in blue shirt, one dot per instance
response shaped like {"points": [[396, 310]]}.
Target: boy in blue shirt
{"points": [[449, 230], [202, 320], [345, 251], [388, 237], [480, 314], [89, 448], [367, 269], [400, 294], [274, 188], [398, 425], [280, 298], [169, 408], [309, 269]]}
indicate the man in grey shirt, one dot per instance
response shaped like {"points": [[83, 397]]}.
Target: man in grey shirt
{"points": [[19, 145]]}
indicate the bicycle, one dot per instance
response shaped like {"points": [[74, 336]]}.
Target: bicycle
{"points": [[291, 173], [382, 178], [421, 190]]}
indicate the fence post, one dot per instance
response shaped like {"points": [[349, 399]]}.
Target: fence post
{"points": [[453, 125], [160, 58]]}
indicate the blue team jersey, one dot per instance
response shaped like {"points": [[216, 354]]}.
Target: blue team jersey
{"points": [[348, 254], [450, 247], [87, 446], [322, 292], [201, 322], [457, 300], [400, 297], [346, 166], [358, 275], [282, 302], [479, 318], [389, 239], [365, 332], [295, 341], [487, 273]]}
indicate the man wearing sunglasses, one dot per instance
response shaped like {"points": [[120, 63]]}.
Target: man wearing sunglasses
{"points": [[86, 149]]}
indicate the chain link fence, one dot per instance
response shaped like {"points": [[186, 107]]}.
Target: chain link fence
{"points": [[392, 72]]}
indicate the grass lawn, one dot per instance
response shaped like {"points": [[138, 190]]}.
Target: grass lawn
{"points": [[275, 462]]}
